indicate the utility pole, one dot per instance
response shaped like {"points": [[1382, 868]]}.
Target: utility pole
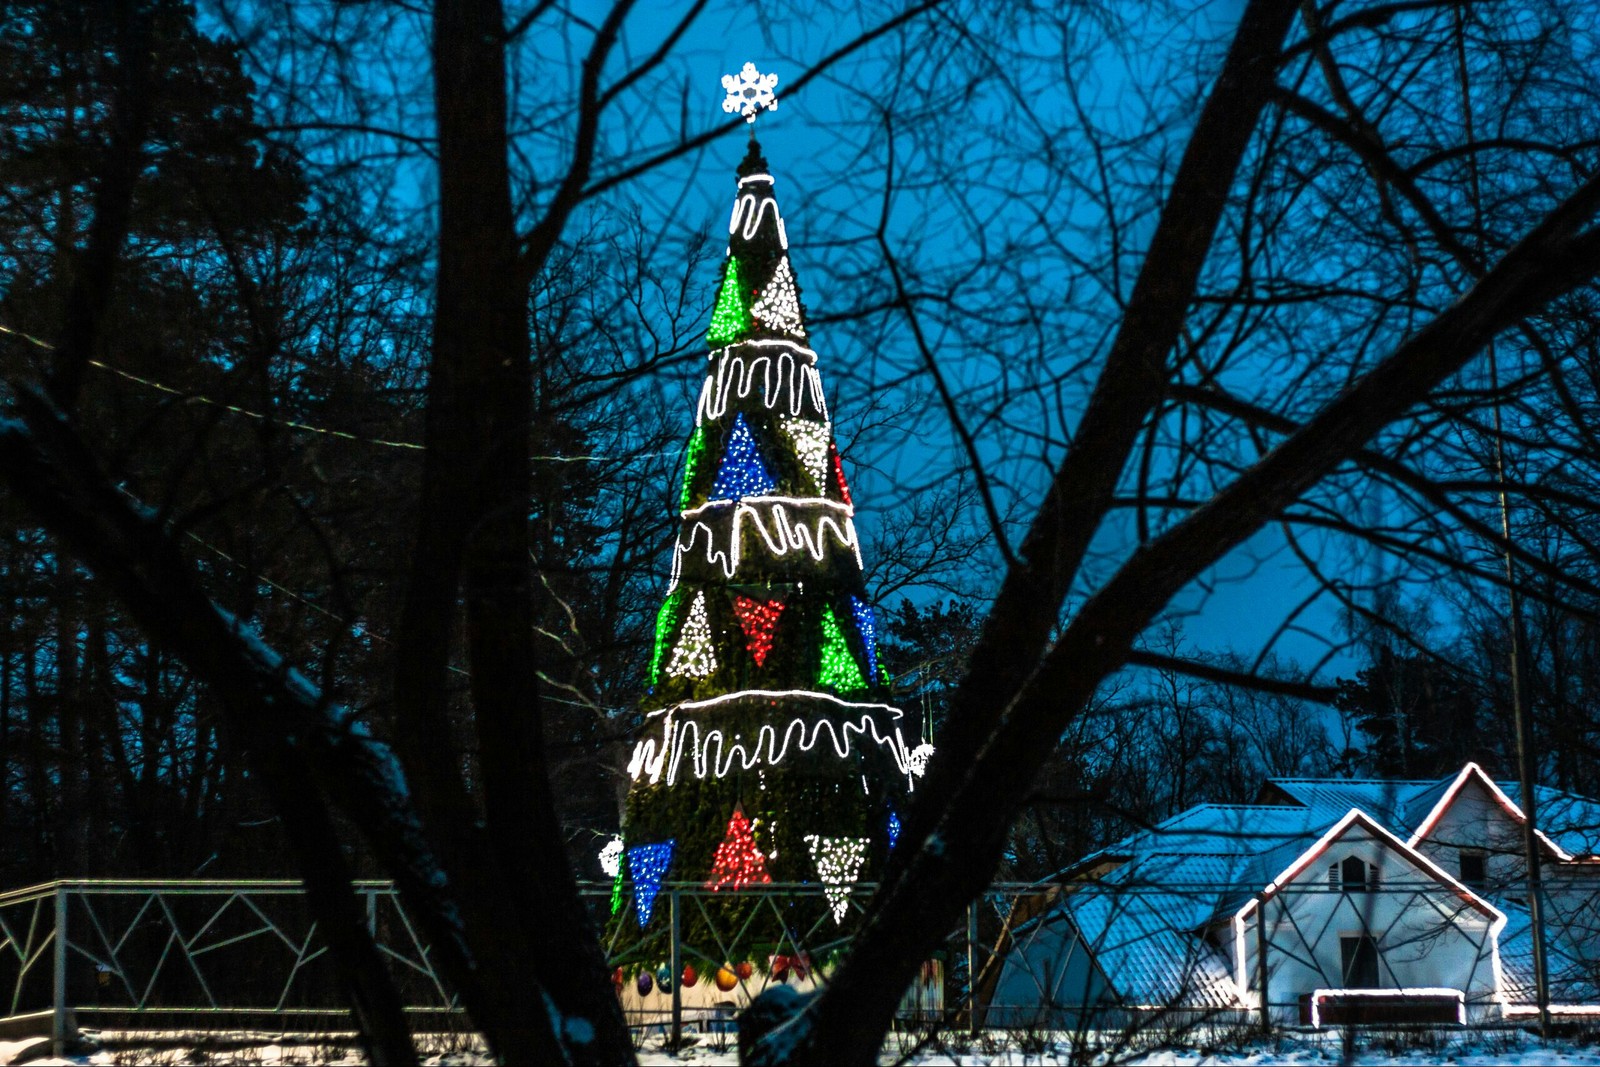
{"points": [[1522, 720]]}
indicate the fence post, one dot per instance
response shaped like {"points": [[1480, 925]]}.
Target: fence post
{"points": [[675, 1038], [972, 968], [59, 1026]]}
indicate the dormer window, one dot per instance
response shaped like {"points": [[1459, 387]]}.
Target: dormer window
{"points": [[1474, 869], [1353, 875]]}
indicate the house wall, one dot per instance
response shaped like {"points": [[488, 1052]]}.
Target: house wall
{"points": [[1476, 821], [1426, 935]]}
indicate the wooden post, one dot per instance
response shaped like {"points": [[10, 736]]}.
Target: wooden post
{"points": [[1261, 963]]}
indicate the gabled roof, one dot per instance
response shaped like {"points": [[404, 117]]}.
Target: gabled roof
{"points": [[1358, 818], [1473, 773]]}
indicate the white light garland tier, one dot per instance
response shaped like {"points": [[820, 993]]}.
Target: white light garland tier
{"points": [[779, 306], [750, 210], [712, 753], [750, 92], [812, 525], [789, 385], [839, 861], [611, 857], [811, 441], [694, 657]]}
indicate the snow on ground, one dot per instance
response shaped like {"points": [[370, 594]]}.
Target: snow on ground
{"points": [[1423, 1049]]}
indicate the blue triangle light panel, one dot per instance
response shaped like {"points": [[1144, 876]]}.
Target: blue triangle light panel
{"points": [[894, 827], [648, 864], [867, 625], [742, 473]]}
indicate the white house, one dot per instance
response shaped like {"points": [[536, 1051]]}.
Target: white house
{"points": [[1332, 900]]}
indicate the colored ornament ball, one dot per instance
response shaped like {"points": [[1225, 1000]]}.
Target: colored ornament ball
{"points": [[663, 979], [644, 983], [726, 979], [689, 977], [744, 969], [617, 978]]}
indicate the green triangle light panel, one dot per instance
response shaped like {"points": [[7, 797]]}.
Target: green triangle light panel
{"points": [[691, 465], [839, 670], [730, 318]]}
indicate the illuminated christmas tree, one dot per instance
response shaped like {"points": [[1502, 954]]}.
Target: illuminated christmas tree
{"points": [[769, 744]]}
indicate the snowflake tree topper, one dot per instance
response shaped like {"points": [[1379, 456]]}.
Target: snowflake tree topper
{"points": [[750, 92]]}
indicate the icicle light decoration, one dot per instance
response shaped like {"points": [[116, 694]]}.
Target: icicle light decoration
{"points": [[779, 306], [810, 440], [738, 861], [742, 473], [694, 656], [839, 861], [648, 864], [839, 670]]}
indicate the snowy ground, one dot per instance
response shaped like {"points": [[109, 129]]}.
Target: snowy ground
{"points": [[1294, 1049]]}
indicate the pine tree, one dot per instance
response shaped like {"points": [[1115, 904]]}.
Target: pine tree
{"points": [[767, 713]]}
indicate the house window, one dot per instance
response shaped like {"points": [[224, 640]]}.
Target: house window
{"points": [[1358, 961], [1353, 875], [1474, 869]]}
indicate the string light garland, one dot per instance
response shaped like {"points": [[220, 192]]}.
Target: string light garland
{"points": [[839, 669], [894, 828], [779, 306], [664, 625], [738, 861], [838, 861], [713, 753], [742, 473], [838, 476], [759, 620], [819, 525], [730, 318], [867, 626], [648, 864], [694, 657], [810, 440], [691, 465], [788, 383]]}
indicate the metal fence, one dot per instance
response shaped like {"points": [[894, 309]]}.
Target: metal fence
{"points": [[1087, 956]]}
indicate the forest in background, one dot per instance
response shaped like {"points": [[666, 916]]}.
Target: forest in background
{"points": [[222, 263]]}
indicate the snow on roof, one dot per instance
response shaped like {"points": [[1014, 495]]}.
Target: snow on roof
{"points": [[1571, 980], [1390, 801], [1573, 822], [1140, 924]]}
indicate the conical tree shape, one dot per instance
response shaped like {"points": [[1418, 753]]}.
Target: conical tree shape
{"points": [[766, 695]]}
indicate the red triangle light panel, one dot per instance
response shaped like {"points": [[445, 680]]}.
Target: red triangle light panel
{"points": [[759, 620], [838, 476]]}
